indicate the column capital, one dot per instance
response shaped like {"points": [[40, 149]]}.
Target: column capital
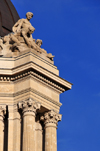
{"points": [[29, 106], [51, 117], [2, 110]]}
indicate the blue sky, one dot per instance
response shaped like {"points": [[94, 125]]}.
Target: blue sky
{"points": [[70, 30]]}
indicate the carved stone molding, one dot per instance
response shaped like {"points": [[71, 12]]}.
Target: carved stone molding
{"points": [[29, 106], [33, 74], [51, 117]]}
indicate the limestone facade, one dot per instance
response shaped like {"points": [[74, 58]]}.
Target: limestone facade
{"points": [[29, 103]]}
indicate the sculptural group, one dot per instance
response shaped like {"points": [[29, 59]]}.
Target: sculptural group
{"points": [[21, 39]]}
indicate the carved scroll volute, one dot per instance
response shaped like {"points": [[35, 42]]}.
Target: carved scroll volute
{"points": [[51, 117], [2, 111]]}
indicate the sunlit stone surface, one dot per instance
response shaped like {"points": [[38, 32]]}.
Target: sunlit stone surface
{"points": [[29, 92]]}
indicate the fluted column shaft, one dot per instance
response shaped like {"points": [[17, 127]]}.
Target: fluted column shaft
{"points": [[50, 120], [29, 131], [39, 136], [50, 137], [29, 111], [2, 112]]}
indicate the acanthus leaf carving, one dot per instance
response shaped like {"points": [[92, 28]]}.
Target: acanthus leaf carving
{"points": [[29, 106], [51, 117]]}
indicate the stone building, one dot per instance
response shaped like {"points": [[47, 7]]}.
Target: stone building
{"points": [[29, 89]]}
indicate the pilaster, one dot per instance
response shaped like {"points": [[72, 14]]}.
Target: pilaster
{"points": [[10, 127], [17, 129], [2, 113]]}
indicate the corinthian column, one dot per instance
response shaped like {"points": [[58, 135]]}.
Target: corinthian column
{"points": [[51, 120], [2, 113], [29, 108]]}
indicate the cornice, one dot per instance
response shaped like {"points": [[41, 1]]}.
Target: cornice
{"points": [[33, 74], [46, 71]]}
